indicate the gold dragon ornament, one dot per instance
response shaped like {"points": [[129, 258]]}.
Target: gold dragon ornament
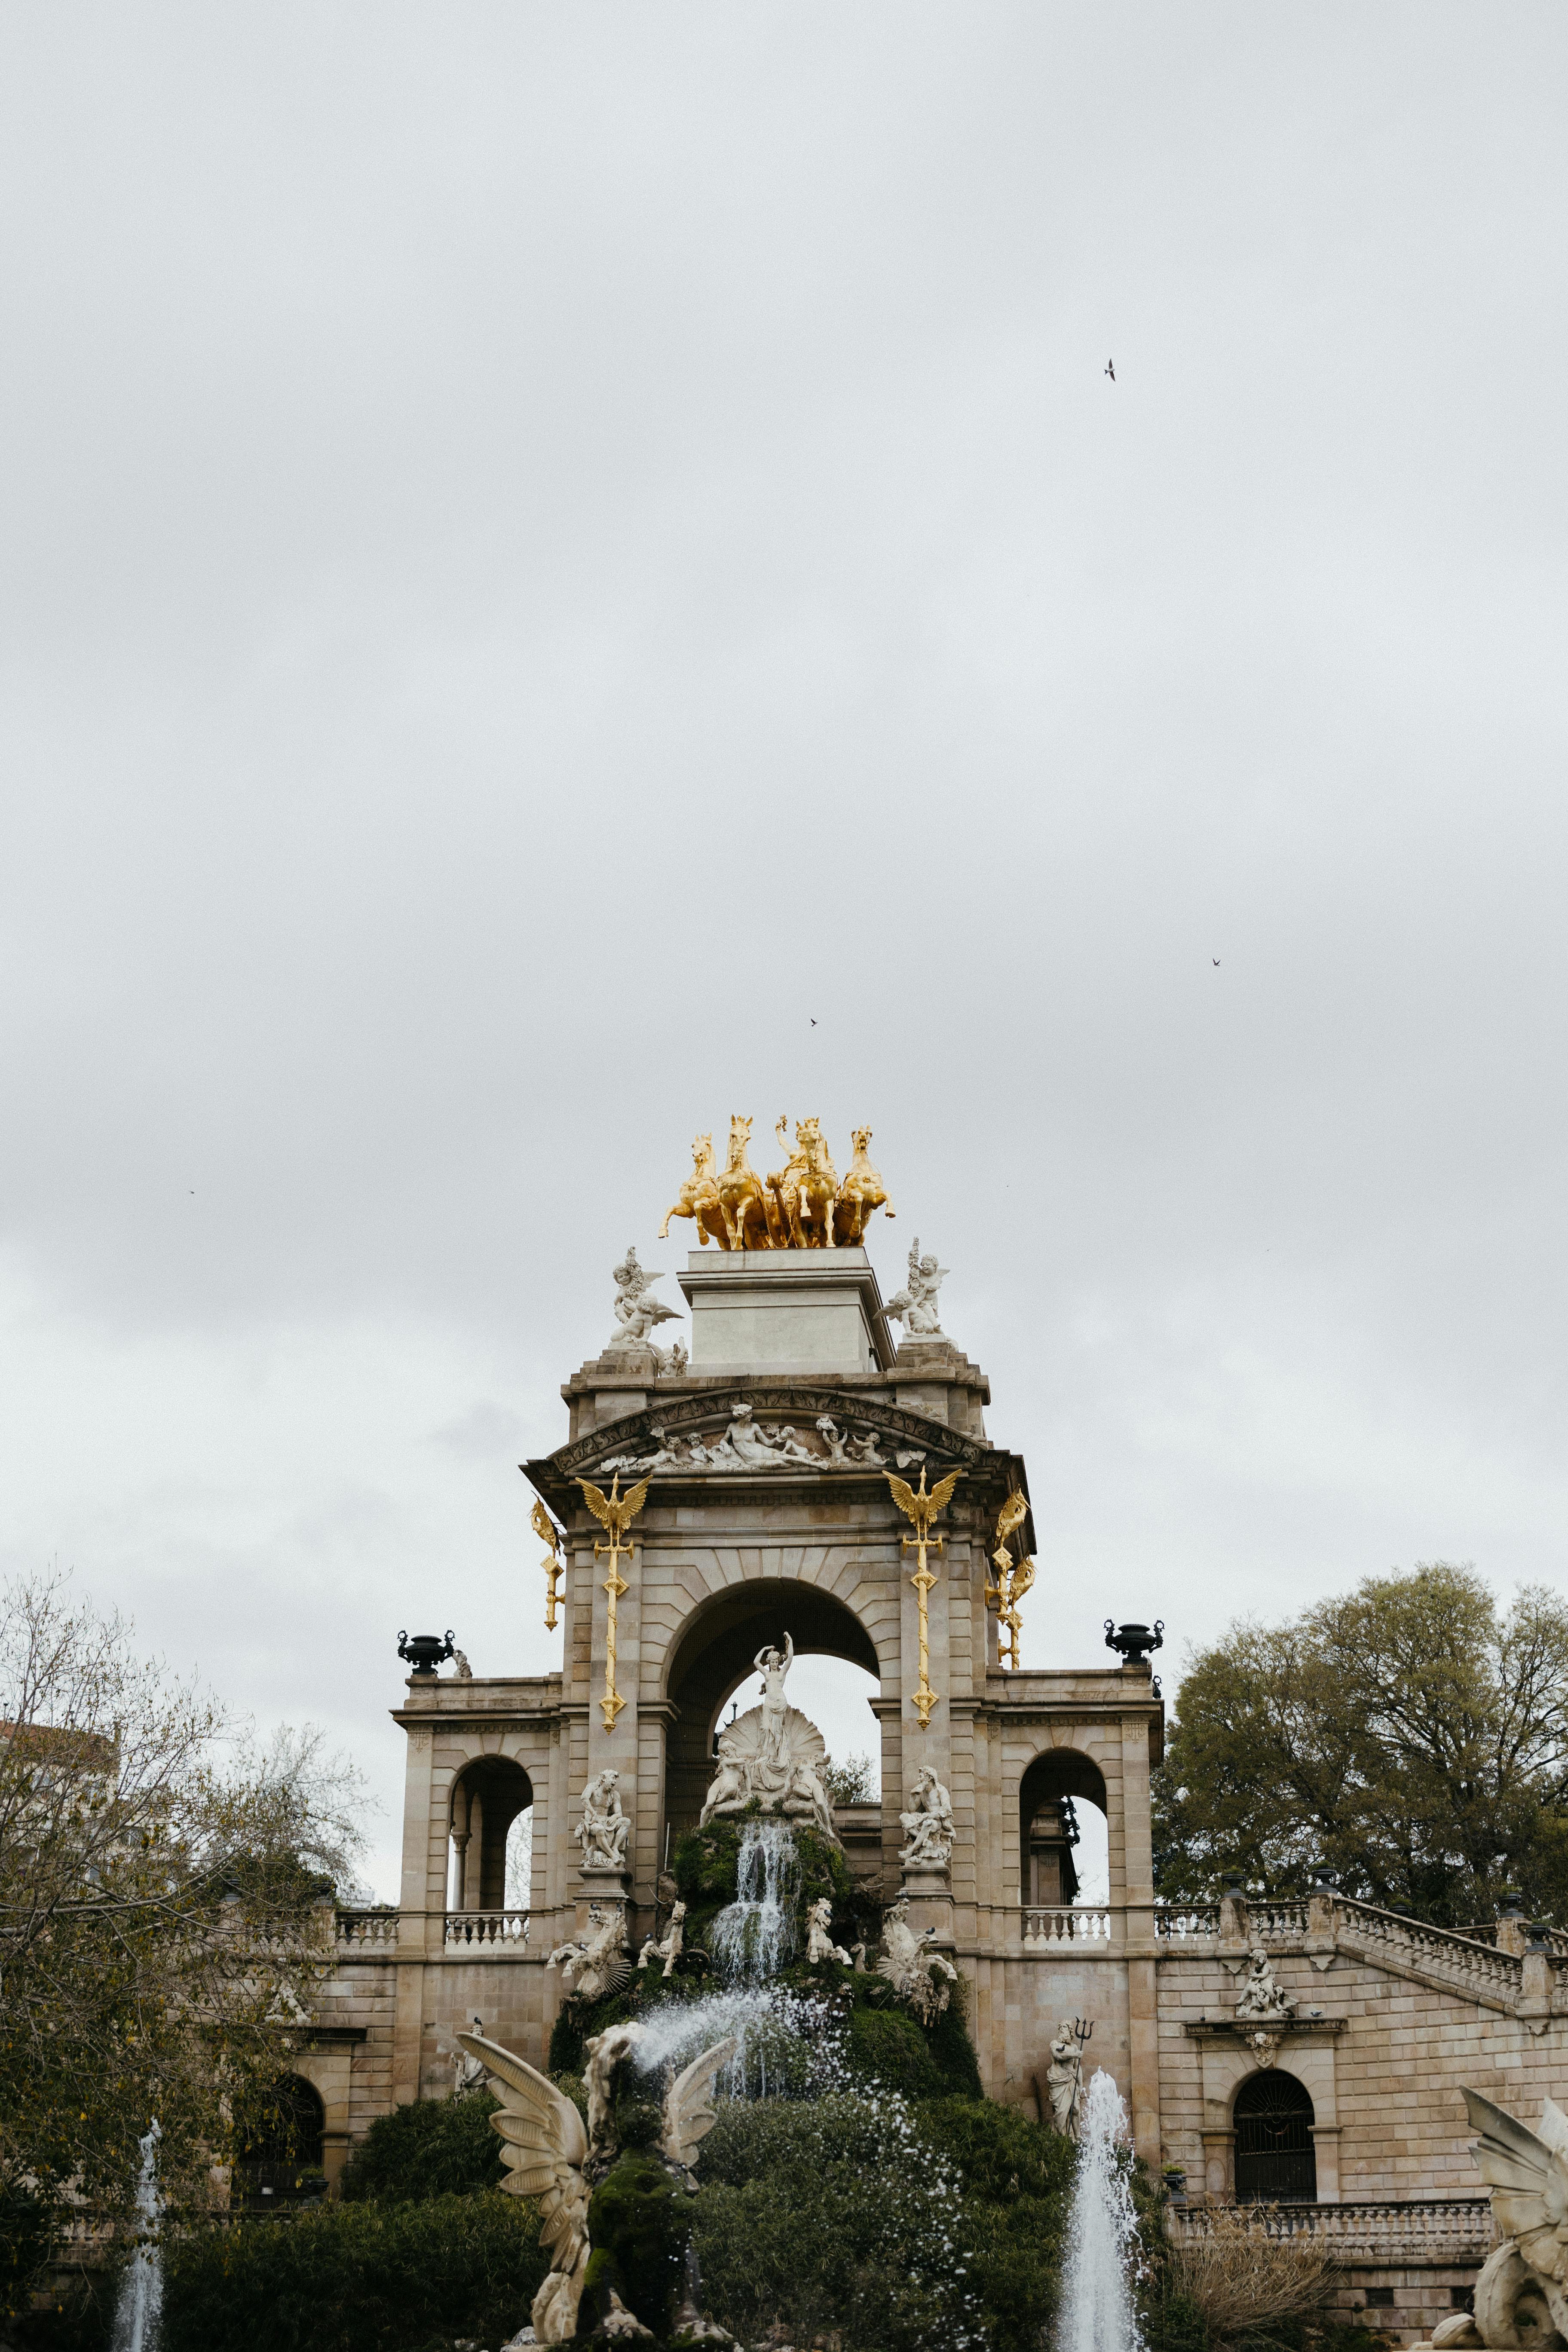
{"points": [[1014, 1578], [615, 1512], [802, 1205], [545, 1528], [924, 1509]]}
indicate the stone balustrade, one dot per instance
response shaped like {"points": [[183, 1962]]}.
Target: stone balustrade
{"points": [[485, 1927], [1181, 1922], [1044, 1927], [1437, 1952], [366, 1930], [1424, 2229]]}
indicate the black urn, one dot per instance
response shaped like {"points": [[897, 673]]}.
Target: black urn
{"points": [[1135, 1641], [424, 1652]]}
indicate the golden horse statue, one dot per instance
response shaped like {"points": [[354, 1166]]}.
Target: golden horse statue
{"points": [[802, 1205], [699, 1197], [860, 1195], [741, 1199], [804, 1192]]}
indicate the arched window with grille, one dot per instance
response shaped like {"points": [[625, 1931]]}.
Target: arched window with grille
{"points": [[1274, 2159]]}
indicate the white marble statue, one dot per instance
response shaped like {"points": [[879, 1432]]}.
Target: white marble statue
{"points": [[597, 1960], [462, 1670], [1521, 2294], [927, 1827], [1064, 2078], [915, 1307], [468, 2072], [774, 1754], [637, 1311], [666, 1947], [605, 1827], [864, 1449], [550, 2156], [819, 1944], [920, 1978], [1262, 1995]]}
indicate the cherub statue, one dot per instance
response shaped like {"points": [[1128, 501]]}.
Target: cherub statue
{"points": [[644, 2281], [819, 1944], [637, 1311], [828, 1430], [928, 1829], [910, 1968], [603, 1829], [916, 1305], [1262, 1995], [864, 1449], [666, 1947]]}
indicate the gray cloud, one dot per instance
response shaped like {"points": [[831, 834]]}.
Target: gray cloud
{"points": [[544, 549]]}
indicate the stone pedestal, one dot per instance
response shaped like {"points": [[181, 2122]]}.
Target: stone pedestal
{"points": [[761, 1311], [930, 1894]]}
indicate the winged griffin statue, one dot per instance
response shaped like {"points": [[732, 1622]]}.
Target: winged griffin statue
{"points": [[611, 2193], [1521, 2294]]}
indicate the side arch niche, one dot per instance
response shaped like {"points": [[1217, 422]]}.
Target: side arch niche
{"points": [[281, 2146], [490, 1795], [1053, 1786], [1276, 2160], [715, 1653]]}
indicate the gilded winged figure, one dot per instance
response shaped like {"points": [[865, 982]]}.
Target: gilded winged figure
{"points": [[922, 1508]]}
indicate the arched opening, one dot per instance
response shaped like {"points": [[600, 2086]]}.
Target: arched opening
{"points": [[1062, 1831], [279, 2132], [1274, 2159], [492, 1834], [716, 1655]]}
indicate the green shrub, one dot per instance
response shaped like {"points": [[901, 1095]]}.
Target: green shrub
{"points": [[832, 2214], [356, 2278], [431, 2147], [886, 2044], [1017, 2187]]}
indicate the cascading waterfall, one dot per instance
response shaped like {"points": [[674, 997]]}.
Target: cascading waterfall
{"points": [[139, 2307], [1097, 2312], [754, 1935]]}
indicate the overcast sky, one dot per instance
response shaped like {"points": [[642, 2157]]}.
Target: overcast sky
{"points": [[546, 548]]}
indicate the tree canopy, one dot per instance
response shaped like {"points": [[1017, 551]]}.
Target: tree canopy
{"points": [[165, 1909], [1411, 1735]]}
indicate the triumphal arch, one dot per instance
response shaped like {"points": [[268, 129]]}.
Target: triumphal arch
{"points": [[797, 1465]]}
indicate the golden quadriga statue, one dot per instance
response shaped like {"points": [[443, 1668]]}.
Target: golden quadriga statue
{"points": [[802, 1205]]}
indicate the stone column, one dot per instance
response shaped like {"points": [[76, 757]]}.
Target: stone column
{"points": [[417, 1932], [1142, 1997]]}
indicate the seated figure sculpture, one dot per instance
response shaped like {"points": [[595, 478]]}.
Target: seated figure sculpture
{"points": [[928, 1829]]}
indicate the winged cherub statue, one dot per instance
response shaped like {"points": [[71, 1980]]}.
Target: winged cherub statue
{"points": [[612, 2194], [1521, 2294]]}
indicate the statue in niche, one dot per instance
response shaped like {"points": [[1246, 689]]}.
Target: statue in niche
{"points": [[819, 1944], [668, 1947], [1064, 2076], [605, 1827], [1262, 1995], [928, 1828], [915, 1307], [774, 1754], [921, 1978], [637, 1311]]}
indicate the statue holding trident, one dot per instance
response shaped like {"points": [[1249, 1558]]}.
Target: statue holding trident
{"points": [[1064, 2076]]}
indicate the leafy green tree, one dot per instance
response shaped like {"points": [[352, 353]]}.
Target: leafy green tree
{"points": [[1412, 1735], [850, 1780], [165, 1911], [429, 2148]]}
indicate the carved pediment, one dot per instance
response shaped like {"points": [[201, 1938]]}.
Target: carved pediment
{"points": [[759, 1427]]}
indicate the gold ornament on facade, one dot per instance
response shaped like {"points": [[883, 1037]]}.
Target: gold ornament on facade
{"points": [[545, 1528], [802, 1205], [1014, 1578], [615, 1512], [923, 1510]]}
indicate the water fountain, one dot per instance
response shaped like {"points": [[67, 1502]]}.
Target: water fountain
{"points": [[1097, 2312], [140, 2303], [756, 1935]]}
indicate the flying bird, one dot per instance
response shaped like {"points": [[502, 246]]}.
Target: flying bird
{"points": [[812, 1020], [1110, 370], [1217, 963]]}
